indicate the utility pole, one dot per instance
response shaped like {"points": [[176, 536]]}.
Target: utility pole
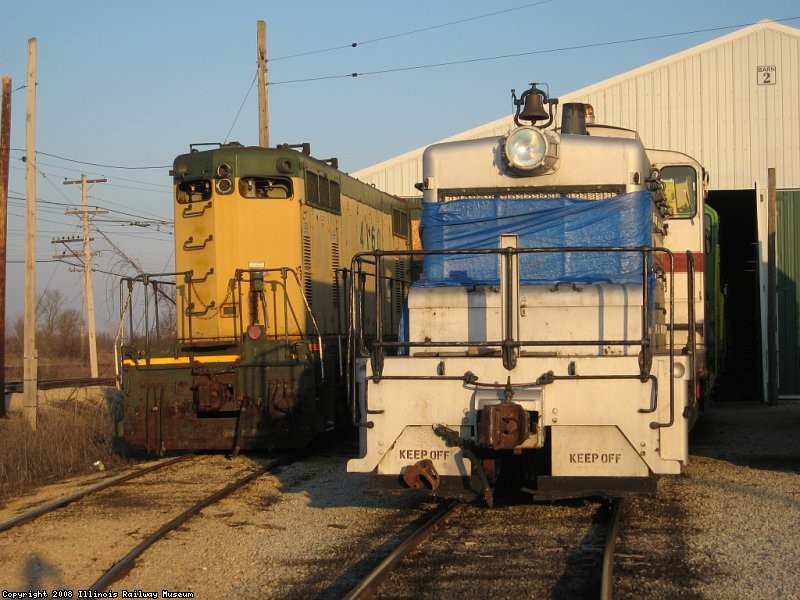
{"points": [[87, 265], [30, 354], [263, 99], [5, 147]]}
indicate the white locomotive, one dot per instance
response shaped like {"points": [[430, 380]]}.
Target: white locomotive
{"points": [[555, 340]]}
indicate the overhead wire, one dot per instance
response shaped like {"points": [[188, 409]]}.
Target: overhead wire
{"points": [[518, 54], [70, 203], [458, 22], [372, 41], [410, 32], [93, 164], [113, 179], [241, 106]]}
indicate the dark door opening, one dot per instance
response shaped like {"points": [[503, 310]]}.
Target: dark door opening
{"points": [[740, 378]]}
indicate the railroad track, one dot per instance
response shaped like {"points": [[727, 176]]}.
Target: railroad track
{"points": [[369, 585], [16, 387], [471, 546], [75, 543], [609, 549], [31, 515]]}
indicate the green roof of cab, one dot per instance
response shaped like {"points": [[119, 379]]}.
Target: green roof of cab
{"points": [[253, 161]]}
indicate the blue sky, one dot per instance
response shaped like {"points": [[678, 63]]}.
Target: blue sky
{"points": [[132, 84]]}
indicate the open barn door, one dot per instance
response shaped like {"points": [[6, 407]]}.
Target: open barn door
{"points": [[741, 378]]}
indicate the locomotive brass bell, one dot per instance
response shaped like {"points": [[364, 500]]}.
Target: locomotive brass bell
{"points": [[533, 110]]}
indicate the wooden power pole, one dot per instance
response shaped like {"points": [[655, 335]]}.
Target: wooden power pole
{"points": [[263, 98], [30, 354], [88, 290], [5, 147]]}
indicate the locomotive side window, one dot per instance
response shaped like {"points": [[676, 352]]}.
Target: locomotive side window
{"points": [[680, 190], [399, 223], [265, 187], [193, 191], [323, 192]]}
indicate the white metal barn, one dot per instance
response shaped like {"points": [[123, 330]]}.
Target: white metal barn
{"points": [[734, 104]]}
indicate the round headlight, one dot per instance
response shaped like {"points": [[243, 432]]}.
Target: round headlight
{"points": [[224, 186], [526, 148]]}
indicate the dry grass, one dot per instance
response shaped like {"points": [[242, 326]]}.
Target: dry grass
{"points": [[70, 435]]}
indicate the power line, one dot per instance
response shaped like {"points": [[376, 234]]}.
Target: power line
{"points": [[246, 96], [165, 186], [136, 222], [519, 54], [132, 262], [411, 32], [139, 216], [111, 183], [91, 164], [443, 25]]}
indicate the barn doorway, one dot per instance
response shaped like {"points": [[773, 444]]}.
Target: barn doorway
{"points": [[739, 278]]}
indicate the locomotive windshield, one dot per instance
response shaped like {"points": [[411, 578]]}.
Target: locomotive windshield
{"points": [[193, 191], [680, 190], [277, 188]]}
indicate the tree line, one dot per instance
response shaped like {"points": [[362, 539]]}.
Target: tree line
{"points": [[61, 342]]}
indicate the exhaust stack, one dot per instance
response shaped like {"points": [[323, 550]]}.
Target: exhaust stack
{"points": [[573, 119]]}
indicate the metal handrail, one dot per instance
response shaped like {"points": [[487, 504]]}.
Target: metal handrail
{"points": [[357, 345]]}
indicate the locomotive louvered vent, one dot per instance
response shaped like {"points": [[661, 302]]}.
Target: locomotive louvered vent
{"points": [[323, 192], [307, 288], [335, 192], [399, 280], [448, 196], [312, 188], [335, 268]]}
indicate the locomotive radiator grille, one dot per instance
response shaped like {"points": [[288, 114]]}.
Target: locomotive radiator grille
{"points": [[399, 280], [335, 268], [590, 193], [307, 287]]}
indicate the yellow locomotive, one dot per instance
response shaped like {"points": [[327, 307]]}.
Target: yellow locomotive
{"points": [[254, 356]]}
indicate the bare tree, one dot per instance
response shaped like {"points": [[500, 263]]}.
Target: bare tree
{"points": [[58, 328]]}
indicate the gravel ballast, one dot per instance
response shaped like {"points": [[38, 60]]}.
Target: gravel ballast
{"points": [[727, 528]]}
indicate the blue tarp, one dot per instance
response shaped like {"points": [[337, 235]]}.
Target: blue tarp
{"points": [[622, 221]]}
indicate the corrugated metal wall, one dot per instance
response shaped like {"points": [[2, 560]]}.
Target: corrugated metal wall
{"points": [[398, 175], [396, 178], [708, 101], [712, 103]]}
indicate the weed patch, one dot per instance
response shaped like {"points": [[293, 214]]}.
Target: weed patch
{"points": [[70, 436]]}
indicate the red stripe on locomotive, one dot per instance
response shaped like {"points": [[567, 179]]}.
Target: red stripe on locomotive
{"points": [[681, 262]]}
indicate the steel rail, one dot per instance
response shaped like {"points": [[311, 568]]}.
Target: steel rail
{"points": [[367, 587], [124, 565], [31, 515], [607, 569], [15, 387]]}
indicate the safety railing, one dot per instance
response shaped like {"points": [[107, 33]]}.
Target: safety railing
{"points": [[143, 325], [368, 338]]}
